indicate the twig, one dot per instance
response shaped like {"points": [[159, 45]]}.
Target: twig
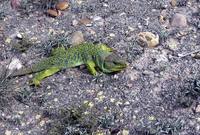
{"points": [[186, 54]]}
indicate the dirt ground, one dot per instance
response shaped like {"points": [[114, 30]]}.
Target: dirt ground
{"points": [[157, 94]]}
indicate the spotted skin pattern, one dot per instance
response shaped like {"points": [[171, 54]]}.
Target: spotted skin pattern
{"points": [[93, 56]]}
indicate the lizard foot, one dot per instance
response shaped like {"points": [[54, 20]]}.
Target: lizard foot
{"points": [[35, 82]]}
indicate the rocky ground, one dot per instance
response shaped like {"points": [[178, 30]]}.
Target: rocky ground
{"points": [[159, 92]]}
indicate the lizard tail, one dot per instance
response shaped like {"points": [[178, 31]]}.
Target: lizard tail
{"points": [[21, 72]]}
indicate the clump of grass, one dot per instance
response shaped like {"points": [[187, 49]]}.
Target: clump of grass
{"points": [[6, 91], [189, 95], [23, 44], [160, 127], [183, 96], [27, 7], [74, 121], [55, 41]]}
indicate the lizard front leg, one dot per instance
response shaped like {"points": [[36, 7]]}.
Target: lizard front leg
{"points": [[43, 74], [91, 67]]}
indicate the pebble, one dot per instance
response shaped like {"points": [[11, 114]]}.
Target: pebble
{"points": [[8, 40], [100, 93], [53, 12], [37, 117], [172, 44], [15, 64], [62, 5], [197, 109], [130, 28], [42, 122], [19, 36], [90, 104], [98, 20], [133, 75], [179, 20], [151, 118], [127, 103], [20, 112], [125, 132], [74, 22], [118, 103], [112, 100], [148, 39], [77, 38], [55, 100], [86, 22], [48, 87], [100, 98], [173, 3], [112, 35], [7, 132]]}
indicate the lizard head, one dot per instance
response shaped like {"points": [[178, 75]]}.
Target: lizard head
{"points": [[110, 62], [114, 63], [104, 47]]}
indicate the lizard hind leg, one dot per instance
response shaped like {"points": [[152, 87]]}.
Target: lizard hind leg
{"points": [[91, 67], [43, 74]]}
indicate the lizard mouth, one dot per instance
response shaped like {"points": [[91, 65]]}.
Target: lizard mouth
{"points": [[114, 63]]}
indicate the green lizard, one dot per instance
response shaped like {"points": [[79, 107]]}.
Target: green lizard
{"points": [[100, 56]]}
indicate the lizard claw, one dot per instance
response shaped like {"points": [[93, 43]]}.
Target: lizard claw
{"points": [[35, 82]]}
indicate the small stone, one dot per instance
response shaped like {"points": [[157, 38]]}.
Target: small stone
{"points": [[19, 36], [79, 2], [98, 20], [172, 44], [48, 87], [127, 103], [148, 39], [85, 102], [23, 124], [90, 104], [74, 22], [197, 109], [85, 21], [112, 100], [37, 116], [55, 100], [173, 3], [51, 31], [198, 119], [130, 28], [151, 118], [42, 122], [20, 112], [133, 75], [20, 133], [15, 64], [196, 55], [92, 32], [8, 40], [100, 93], [125, 132], [101, 98], [7, 132], [86, 112], [62, 5], [112, 35], [118, 103], [179, 20], [49, 93], [77, 38], [33, 39], [116, 76], [53, 12]]}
